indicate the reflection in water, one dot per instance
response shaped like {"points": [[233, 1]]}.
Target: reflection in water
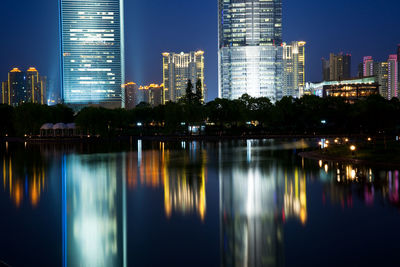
{"points": [[295, 198], [251, 218], [93, 219], [344, 181], [183, 179], [23, 180]]}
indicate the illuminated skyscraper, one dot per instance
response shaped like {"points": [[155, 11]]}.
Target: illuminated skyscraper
{"points": [[250, 51], [92, 46], [393, 81], [368, 66], [16, 87], [178, 69], [294, 78], [33, 86]]}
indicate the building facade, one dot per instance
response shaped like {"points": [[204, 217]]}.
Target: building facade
{"points": [[250, 48], [178, 69], [368, 66], [351, 90], [339, 67], [92, 46], [24, 87], [393, 79], [386, 73], [150, 94], [294, 69]]}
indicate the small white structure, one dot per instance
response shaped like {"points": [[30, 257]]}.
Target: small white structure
{"points": [[58, 130]]}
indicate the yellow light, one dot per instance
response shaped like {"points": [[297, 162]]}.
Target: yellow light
{"points": [[353, 148], [369, 139]]}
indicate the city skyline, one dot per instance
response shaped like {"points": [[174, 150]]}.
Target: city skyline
{"points": [[143, 57]]}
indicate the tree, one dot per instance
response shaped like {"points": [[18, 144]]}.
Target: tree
{"points": [[199, 92], [189, 92]]}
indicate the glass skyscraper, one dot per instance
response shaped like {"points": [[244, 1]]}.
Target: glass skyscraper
{"points": [[92, 46], [250, 48]]}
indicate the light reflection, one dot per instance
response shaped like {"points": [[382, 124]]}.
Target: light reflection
{"points": [[94, 221], [23, 180], [184, 185]]}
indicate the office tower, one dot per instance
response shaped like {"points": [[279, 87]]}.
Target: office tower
{"points": [[392, 77], [368, 66], [293, 69], [381, 74], [92, 46], [178, 69], [326, 74], [250, 48], [340, 67], [16, 87]]}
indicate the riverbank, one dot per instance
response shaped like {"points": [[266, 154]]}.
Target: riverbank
{"points": [[378, 152], [169, 138]]}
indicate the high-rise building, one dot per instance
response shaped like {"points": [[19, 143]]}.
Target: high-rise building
{"points": [[33, 86], [130, 91], [340, 67], [368, 66], [92, 46], [4, 93], [393, 81], [24, 87], [250, 48], [294, 69], [16, 87], [326, 74], [381, 74], [151, 94], [178, 69]]}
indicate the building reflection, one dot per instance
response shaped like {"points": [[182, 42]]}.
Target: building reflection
{"points": [[295, 197], [24, 181], [343, 182], [181, 173], [94, 210], [251, 207]]}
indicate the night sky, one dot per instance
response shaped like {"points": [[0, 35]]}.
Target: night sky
{"points": [[29, 31]]}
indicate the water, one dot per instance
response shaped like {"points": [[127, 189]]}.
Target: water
{"points": [[234, 203]]}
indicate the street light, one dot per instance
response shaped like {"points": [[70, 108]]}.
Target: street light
{"points": [[353, 149]]}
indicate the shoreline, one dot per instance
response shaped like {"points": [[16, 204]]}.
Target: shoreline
{"points": [[316, 155], [168, 138]]}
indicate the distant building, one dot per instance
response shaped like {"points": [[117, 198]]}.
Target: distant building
{"points": [[351, 90], [386, 74], [293, 69], [393, 79], [130, 91], [24, 87], [339, 67], [16, 87], [326, 74], [381, 74], [4, 93], [368, 66], [150, 94], [178, 69]]}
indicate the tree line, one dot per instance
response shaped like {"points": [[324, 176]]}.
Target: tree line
{"points": [[246, 115]]}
